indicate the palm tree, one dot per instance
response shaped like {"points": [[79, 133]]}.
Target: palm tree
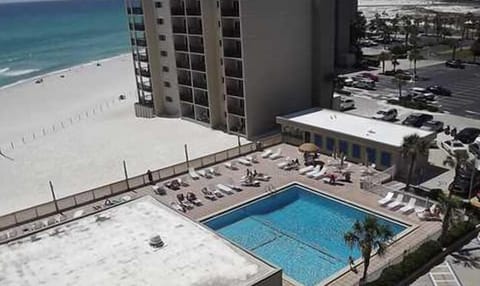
{"points": [[412, 147], [448, 204], [395, 63], [368, 235], [414, 55], [384, 56], [399, 82], [475, 49]]}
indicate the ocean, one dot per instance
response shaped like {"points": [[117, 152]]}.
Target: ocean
{"points": [[41, 37]]}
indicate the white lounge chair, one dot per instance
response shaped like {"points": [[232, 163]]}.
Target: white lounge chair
{"points": [[422, 209], [176, 206], [305, 170], [159, 189], [208, 194], [388, 198], [213, 171], [396, 203], [252, 158], [409, 207], [277, 154], [231, 165], [320, 174], [244, 162], [315, 170], [193, 174], [283, 164], [267, 153], [225, 189], [204, 174]]}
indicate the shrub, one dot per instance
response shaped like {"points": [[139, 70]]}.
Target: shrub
{"points": [[392, 275], [457, 231]]}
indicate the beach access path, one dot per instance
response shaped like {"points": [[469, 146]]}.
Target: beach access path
{"points": [[88, 133]]}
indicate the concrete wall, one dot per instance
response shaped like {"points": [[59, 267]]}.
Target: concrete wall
{"points": [[323, 57], [276, 45], [157, 62]]}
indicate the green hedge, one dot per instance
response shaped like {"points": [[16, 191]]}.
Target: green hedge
{"points": [[392, 275], [457, 231]]}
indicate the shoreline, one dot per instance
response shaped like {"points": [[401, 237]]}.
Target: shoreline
{"points": [[59, 71]]}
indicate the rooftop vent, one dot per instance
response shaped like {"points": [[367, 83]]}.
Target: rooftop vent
{"points": [[156, 242]]}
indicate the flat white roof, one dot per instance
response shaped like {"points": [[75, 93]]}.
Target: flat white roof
{"points": [[115, 250], [356, 126]]}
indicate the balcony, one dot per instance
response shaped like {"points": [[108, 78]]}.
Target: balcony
{"points": [[179, 25], [201, 97], [231, 28], [230, 8], [182, 60], [195, 26], [141, 57], [135, 11], [234, 87], [235, 106], [180, 43], [193, 7], [145, 87], [139, 42], [185, 94], [187, 110], [196, 44], [184, 78], [137, 26], [202, 114], [177, 8], [198, 63], [142, 72], [232, 48], [199, 80], [233, 68]]}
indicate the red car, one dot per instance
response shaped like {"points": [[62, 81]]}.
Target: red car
{"points": [[370, 76]]}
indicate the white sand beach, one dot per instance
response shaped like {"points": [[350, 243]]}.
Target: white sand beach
{"points": [[88, 133]]}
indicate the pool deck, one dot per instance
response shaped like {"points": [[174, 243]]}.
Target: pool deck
{"points": [[352, 192]]}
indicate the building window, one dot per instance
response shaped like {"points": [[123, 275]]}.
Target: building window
{"points": [[166, 83], [371, 155], [162, 37], [163, 53], [160, 21], [386, 159], [158, 4], [343, 146], [356, 151], [165, 69], [330, 144], [168, 99], [318, 140]]}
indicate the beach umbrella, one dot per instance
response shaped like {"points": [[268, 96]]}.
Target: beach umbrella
{"points": [[308, 148]]}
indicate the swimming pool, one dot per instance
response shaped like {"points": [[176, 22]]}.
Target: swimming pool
{"points": [[297, 229]]}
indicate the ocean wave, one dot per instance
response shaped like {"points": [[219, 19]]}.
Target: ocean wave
{"points": [[4, 70], [12, 73]]}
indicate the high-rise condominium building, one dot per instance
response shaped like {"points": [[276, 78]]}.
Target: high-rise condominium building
{"points": [[236, 64]]}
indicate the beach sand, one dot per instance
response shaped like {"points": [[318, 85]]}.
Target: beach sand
{"points": [[94, 132]]}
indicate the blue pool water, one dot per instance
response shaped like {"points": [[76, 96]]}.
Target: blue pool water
{"points": [[297, 230]]}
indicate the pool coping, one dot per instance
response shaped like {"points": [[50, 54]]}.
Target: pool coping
{"points": [[410, 226]]}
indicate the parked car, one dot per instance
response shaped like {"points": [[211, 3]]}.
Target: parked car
{"points": [[348, 82], [456, 64], [474, 148], [417, 119], [386, 114], [439, 90], [467, 135], [369, 75], [454, 147], [364, 84], [433, 125], [346, 103], [423, 93]]}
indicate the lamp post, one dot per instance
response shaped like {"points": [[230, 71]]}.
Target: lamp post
{"points": [[186, 155], [53, 196]]}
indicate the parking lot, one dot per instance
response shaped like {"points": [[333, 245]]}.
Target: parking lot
{"points": [[464, 85]]}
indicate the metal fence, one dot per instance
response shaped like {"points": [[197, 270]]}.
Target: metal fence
{"points": [[103, 192]]}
